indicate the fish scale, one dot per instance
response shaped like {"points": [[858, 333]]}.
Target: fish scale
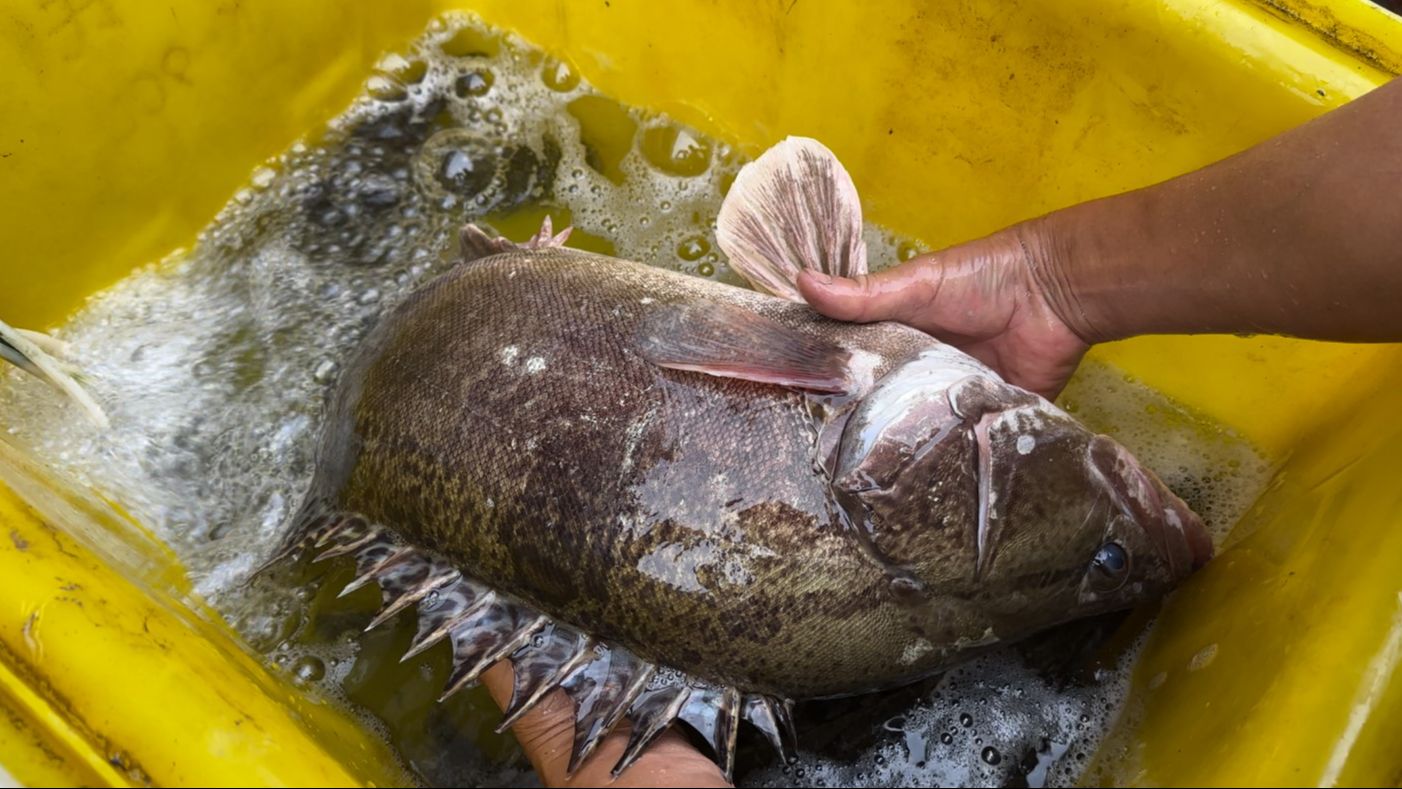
{"points": [[684, 502]]}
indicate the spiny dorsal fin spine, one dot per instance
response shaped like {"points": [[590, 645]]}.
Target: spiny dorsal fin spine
{"points": [[476, 243]]}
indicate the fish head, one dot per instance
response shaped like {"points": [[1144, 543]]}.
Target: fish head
{"points": [[974, 491]]}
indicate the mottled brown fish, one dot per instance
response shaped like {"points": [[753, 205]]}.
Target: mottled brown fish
{"points": [[681, 500]]}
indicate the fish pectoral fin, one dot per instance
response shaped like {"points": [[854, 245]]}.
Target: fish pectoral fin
{"points": [[794, 207], [731, 342]]}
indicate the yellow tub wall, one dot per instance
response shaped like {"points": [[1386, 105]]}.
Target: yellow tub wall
{"points": [[107, 681], [113, 674], [138, 122], [125, 128]]}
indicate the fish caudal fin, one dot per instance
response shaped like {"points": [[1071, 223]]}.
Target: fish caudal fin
{"points": [[476, 243], [606, 683], [794, 207], [31, 351]]}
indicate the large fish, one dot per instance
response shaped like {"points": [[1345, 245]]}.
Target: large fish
{"points": [[682, 500]]}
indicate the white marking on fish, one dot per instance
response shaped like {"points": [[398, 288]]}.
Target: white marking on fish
{"points": [[908, 387], [988, 637], [676, 565], [631, 438], [1025, 444], [985, 494], [915, 650], [736, 572], [862, 371], [535, 364], [509, 354]]}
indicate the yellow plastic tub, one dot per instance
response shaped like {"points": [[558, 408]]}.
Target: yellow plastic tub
{"points": [[124, 126]]}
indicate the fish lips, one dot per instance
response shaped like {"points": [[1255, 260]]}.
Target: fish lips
{"points": [[1174, 529], [1190, 527]]}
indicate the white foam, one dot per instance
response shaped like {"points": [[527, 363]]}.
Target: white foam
{"points": [[1213, 469], [991, 722]]}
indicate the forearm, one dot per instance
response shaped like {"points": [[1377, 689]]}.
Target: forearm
{"points": [[1301, 235]]}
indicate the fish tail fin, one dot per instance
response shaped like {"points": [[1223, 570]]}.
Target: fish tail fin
{"points": [[476, 243], [794, 207], [605, 682]]}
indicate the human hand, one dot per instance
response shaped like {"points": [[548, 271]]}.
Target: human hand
{"points": [[999, 299], [546, 734]]}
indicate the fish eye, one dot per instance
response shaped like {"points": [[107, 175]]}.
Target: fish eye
{"points": [[1110, 567]]}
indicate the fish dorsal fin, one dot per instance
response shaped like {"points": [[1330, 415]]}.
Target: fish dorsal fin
{"points": [[476, 243], [731, 342], [794, 207]]}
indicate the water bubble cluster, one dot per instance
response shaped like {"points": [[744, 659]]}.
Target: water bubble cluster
{"points": [[994, 721], [1214, 470]]}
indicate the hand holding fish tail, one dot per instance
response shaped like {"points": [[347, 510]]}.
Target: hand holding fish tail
{"points": [[986, 297], [1295, 236], [546, 734]]}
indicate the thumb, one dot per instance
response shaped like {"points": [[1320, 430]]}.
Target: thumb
{"points": [[896, 294]]}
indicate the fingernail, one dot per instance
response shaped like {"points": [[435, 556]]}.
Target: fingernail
{"points": [[820, 278]]}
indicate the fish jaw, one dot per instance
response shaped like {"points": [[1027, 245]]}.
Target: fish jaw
{"points": [[1171, 526], [1178, 516], [1180, 531]]}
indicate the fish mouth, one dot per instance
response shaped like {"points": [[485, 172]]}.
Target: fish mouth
{"points": [[1174, 529], [1185, 529]]}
